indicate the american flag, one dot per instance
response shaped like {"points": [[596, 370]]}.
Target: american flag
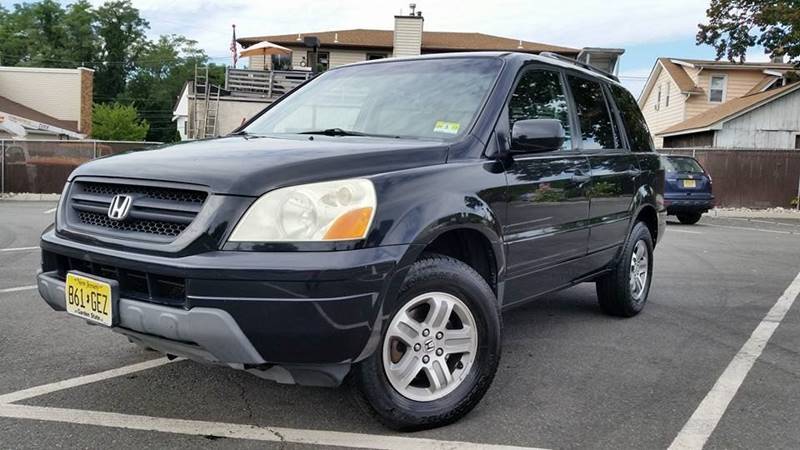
{"points": [[233, 47]]}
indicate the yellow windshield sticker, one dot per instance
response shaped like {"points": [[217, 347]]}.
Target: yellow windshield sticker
{"points": [[446, 127]]}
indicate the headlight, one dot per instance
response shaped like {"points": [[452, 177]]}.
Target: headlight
{"points": [[329, 211]]}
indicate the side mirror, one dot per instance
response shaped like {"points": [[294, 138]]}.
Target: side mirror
{"points": [[537, 135]]}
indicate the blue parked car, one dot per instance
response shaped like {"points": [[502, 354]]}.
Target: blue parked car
{"points": [[687, 193]]}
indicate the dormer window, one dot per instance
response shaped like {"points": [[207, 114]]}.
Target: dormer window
{"points": [[716, 91]]}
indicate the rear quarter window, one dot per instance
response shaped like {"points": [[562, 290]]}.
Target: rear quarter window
{"points": [[639, 137]]}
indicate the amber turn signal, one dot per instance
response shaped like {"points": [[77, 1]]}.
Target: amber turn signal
{"points": [[350, 225]]}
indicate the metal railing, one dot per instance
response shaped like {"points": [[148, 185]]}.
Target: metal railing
{"points": [[263, 83], [42, 166]]}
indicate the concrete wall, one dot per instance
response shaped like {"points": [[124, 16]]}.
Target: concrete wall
{"points": [[61, 93]]}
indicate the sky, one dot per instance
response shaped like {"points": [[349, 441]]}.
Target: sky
{"points": [[645, 29]]}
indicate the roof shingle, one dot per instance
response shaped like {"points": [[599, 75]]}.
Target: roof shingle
{"points": [[431, 41]]}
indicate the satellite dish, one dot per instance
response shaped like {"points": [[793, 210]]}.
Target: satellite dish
{"points": [[14, 129]]}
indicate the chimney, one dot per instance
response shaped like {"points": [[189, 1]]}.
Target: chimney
{"points": [[777, 59], [408, 33]]}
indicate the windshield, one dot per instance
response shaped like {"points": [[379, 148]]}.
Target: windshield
{"points": [[687, 165], [433, 98]]}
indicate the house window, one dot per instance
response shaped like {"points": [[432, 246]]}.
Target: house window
{"points": [[658, 99], [323, 60], [281, 62], [716, 91], [666, 99], [371, 56], [797, 142]]}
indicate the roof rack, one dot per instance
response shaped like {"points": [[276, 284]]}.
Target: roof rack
{"points": [[586, 66]]}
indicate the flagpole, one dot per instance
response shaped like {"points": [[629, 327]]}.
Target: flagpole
{"points": [[233, 47]]}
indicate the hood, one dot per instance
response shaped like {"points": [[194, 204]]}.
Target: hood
{"points": [[251, 166]]}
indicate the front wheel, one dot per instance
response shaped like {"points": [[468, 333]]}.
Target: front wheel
{"points": [[623, 292], [439, 351]]}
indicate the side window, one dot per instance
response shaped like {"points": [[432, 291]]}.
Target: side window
{"points": [[597, 129], [540, 95], [633, 120]]}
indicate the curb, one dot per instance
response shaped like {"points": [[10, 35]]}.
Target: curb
{"points": [[30, 197]]}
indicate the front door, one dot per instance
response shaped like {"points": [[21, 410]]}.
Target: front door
{"points": [[547, 220], [614, 169]]}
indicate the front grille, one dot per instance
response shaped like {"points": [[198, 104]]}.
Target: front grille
{"points": [[157, 214], [133, 284], [170, 195], [158, 227]]}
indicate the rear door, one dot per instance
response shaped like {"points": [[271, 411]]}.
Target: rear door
{"points": [[614, 169], [546, 226]]}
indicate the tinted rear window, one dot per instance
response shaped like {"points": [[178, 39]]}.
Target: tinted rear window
{"points": [[677, 164], [597, 131], [635, 125]]}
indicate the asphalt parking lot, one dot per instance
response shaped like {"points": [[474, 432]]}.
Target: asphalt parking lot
{"points": [[570, 377]]}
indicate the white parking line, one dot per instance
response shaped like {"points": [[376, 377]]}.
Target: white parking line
{"points": [[80, 381], [205, 428], [50, 211], [698, 429], [18, 249], [17, 289], [674, 230], [751, 229], [235, 431]]}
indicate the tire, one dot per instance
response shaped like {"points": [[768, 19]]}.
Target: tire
{"points": [[689, 219], [433, 280], [617, 294]]}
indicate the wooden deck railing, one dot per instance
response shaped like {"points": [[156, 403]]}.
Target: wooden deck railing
{"points": [[263, 83]]}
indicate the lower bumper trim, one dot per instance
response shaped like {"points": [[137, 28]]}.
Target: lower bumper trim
{"points": [[213, 331]]}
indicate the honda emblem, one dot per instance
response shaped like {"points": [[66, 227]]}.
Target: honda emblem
{"points": [[120, 207]]}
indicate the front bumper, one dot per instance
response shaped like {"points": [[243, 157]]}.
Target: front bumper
{"points": [[300, 317]]}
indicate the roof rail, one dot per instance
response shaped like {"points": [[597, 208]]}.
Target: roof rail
{"points": [[579, 63]]}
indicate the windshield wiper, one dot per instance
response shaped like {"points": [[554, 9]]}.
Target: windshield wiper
{"points": [[342, 132], [334, 132]]}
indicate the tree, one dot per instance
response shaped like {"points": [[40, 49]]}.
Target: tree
{"points": [[117, 122], [162, 68], [122, 32], [82, 43], [736, 25]]}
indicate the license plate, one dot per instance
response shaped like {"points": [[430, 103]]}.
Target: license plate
{"points": [[689, 183], [90, 298]]}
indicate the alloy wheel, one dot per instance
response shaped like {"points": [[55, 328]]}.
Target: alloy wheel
{"points": [[640, 262], [430, 346]]}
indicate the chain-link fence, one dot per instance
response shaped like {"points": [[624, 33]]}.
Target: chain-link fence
{"points": [[42, 167]]}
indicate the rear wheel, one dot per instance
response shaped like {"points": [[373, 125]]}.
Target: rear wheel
{"points": [[623, 292], [689, 219], [439, 351]]}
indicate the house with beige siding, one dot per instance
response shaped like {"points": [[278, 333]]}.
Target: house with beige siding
{"points": [[678, 90], [46, 103], [408, 38]]}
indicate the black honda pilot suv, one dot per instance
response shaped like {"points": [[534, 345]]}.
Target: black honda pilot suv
{"points": [[373, 225]]}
